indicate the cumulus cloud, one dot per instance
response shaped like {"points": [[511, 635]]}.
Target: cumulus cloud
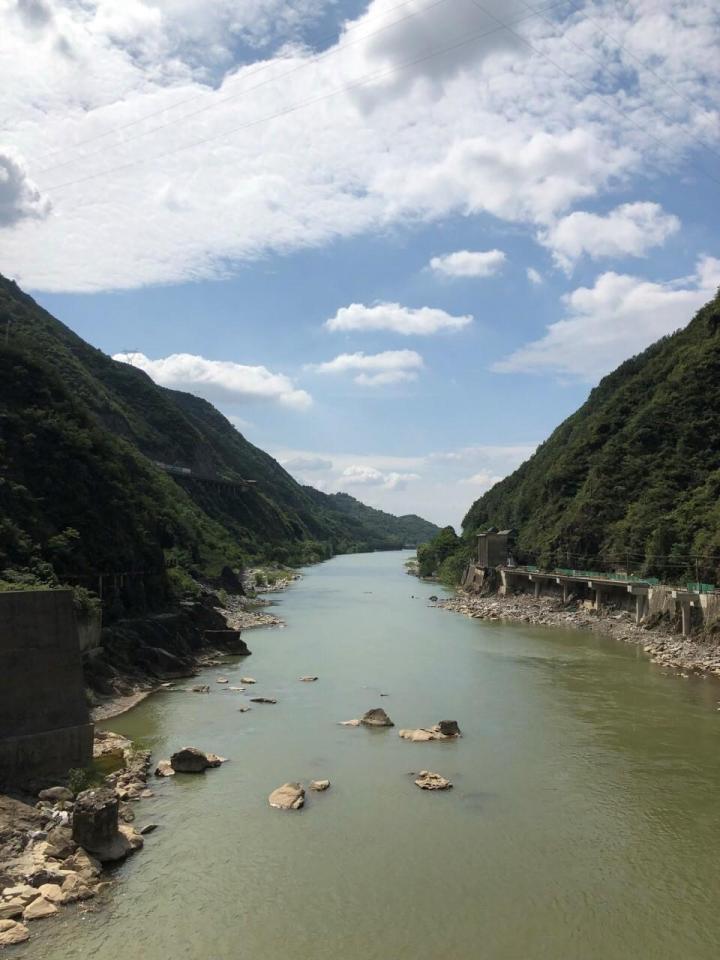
{"points": [[220, 380], [371, 370], [479, 129], [534, 276], [362, 476], [20, 198], [629, 230], [468, 263], [618, 316], [307, 464], [407, 321]]}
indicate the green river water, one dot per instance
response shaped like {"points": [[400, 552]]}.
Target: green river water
{"points": [[583, 822]]}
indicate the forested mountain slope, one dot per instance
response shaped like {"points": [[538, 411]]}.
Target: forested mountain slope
{"points": [[80, 490], [632, 479]]}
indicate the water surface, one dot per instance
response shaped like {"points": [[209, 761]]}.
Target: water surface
{"points": [[583, 824]]}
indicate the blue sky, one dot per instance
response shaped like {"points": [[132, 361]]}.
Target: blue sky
{"points": [[397, 287]]}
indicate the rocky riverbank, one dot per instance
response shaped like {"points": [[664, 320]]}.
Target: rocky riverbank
{"points": [[687, 654]]}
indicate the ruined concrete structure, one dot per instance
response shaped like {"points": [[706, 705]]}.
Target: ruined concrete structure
{"points": [[494, 547], [44, 722], [645, 599]]}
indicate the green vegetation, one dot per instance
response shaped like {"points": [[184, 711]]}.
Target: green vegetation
{"points": [[83, 502], [444, 557], [631, 481]]}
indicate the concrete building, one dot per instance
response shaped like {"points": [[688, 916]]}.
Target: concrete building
{"points": [[44, 722], [494, 547]]}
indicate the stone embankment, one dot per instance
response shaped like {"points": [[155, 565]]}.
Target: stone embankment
{"points": [[698, 654]]}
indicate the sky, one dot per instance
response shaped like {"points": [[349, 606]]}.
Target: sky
{"points": [[396, 243]]}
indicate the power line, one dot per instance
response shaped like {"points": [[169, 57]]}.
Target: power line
{"points": [[317, 58], [361, 81]]}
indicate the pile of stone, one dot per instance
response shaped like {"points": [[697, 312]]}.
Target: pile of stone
{"points": [[444, 730]]}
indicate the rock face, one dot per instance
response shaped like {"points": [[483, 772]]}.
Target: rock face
{"points": [[376, 717], [423, 734], [432, 781], [12, 932], [95, 820], [319, 785], [189, 760], [290, 796]]}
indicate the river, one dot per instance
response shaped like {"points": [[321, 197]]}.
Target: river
{"points": [[583, 824]]}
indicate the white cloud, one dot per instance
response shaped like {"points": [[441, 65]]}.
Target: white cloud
{"points": [[629, 230], [220, 380], [303, 464], [483, 480], [20, 198], [607, 323], [194, 176], [391, 366], [534, 276], [439, 486], [360, 476], [407, 321], [469, 263]]}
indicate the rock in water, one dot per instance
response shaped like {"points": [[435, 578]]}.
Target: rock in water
{"points": [[38, 909], [189, 760], [164, 769], [423, 734], [376, 717], [95, 820], [319, 785], [247, 680], [12, 932], [290, 796], [200, 688], [262, 700], [432, 781], [449, 728], [308, 679]]}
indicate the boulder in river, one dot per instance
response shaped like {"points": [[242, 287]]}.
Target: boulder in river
{"points": [[190, 760], [247, 680], [200, 688], [290, 796], [376, 717], [262, 700], [427, 780], [164, 769], [319, 785], [308, 679], [95, 820], [38, 909], [222, 680], [12, 932], [445, 730]]}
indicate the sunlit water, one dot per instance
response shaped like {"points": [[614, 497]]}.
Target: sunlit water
{"points": [[583, 823]]}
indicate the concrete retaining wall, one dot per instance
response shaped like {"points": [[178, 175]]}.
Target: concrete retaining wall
{"points": [[44, 721]]}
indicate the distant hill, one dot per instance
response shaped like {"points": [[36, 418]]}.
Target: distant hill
{"points": [[632, 479], [80, 490]]}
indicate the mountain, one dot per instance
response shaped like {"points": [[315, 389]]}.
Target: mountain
{"points": [[102, 471], [631, 481]]}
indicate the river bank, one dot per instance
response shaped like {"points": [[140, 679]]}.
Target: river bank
{"points": [[685, 654]]}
